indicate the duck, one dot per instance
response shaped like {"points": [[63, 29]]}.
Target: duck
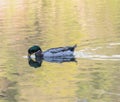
{"points": [[61, 52]]}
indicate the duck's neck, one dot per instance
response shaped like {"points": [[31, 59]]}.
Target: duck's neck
{"points": [[39, 54]]}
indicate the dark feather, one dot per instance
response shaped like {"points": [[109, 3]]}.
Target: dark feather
{"points": [[62, 49]]}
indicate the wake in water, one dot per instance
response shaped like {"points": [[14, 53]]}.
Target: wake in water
{"points": [[86, 54]]}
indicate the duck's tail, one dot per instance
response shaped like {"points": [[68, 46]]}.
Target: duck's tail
{"points": [[73, 48]]}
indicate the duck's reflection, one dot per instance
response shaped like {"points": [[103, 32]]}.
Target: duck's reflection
{"points": [[37, 62]]}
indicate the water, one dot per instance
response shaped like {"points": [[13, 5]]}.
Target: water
{"points": [[92, 25]]}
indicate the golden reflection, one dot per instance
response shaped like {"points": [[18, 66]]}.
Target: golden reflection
{"points": [[53, 83], [24, 23]]}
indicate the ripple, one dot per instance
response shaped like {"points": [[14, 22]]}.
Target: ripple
{"points": [[96, 48], [114, 44]]}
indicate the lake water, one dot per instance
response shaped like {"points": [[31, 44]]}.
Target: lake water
{"points": [[91, 24]]}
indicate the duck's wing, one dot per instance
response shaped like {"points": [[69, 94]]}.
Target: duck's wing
{"points": [[61, 49], [60, 59]]}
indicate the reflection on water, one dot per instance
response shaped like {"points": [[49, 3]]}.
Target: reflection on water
{"points": [[92, 25]]}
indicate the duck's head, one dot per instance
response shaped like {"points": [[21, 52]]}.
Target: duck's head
{"points": [[33, 49]]}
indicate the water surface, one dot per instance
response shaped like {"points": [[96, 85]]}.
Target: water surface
{"points": [[92, 25]]}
